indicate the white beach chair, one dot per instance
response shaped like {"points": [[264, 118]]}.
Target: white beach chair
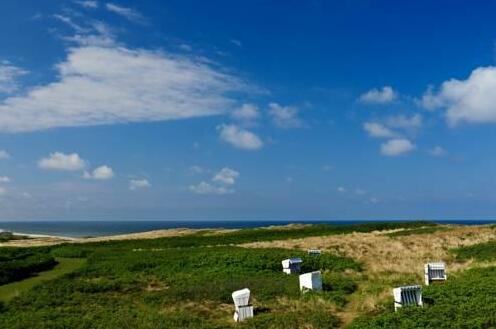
{"points": [[292, 265], [407, 295], [434, 272], [311, 281], [243, 309], [314, 252]]}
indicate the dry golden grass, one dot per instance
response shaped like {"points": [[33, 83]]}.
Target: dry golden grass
{"points": [[390, 261], [402, 254], [54, 240]]}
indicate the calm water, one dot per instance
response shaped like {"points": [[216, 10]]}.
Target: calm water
{"points": [[99, 228]]}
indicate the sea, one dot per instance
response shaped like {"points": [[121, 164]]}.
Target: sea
{"points": [[77, 229]]}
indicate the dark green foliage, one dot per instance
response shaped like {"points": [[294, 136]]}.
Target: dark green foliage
{"points": [[121, 287], [8, 236], [236, 237], [18, 263], [309, 318], [482, 252], [466, 302]]}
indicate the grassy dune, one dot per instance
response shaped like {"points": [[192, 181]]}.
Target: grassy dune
{"points": [[186, 281], [64, 266]]}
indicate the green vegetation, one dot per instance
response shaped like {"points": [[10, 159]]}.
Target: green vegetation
{"points": [[65, 265], [467, 301], [17, 264], [124, 288], [481, 252], [187, 281], [8, 236], [206, 238]]}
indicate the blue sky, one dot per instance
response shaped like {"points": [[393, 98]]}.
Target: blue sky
{"points": [[294, 110]]}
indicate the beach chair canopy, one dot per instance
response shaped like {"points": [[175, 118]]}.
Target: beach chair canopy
{"points": [[407, 295], [291, 261], [311, 281], [241, 297]]}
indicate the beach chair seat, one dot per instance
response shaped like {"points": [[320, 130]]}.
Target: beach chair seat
{"points": [[292, 265], [435, 271], [311, 281], [243, 308], [407, 295]]}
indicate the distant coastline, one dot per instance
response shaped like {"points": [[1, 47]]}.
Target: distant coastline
{"points": [[79, 229]]}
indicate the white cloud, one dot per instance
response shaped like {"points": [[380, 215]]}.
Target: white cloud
{"points": [[379, 96], [128, 13], [223, 181], [87, 4], [100, 173], [404, 122], [247, 112], [61, 161], [378, 130], [67, 20], [236, 42], [472, 100], [438, 151], [206, 188], [341, 189], [102, 84], [9, 75], [360, 191], [3, 191], [226, 176], [196, 169], [239, 137], [395, 147], [4, 179], [4, 155], [138, 184], [284, 116]]}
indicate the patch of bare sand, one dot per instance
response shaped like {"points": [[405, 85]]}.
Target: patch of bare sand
{"points": [[53, 240]]}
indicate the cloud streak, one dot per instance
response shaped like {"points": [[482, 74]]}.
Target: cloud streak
{"points": [[100, 85], [379, 96]]}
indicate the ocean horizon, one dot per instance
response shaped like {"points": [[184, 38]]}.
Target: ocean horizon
{"points": [[92, 228]]}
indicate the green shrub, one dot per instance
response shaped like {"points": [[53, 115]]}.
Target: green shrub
{"points": [[465, 302], [18, 263]]}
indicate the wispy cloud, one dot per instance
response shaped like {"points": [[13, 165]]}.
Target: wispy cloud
{"points": [[396, 147], [67, 20], [139, 184], [207, 188], [87, 4], [9, 75], [378, 130], [100, 84], [236, 42], [100, 173], [379, 96], [4, 155], [226, 176], [62, 161], [128, 13], [247, 113], [285, 116], [222, 183], [239, 137], [438, 151]]}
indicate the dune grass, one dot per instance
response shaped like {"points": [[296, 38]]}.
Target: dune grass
{"points": [[65, 265]]}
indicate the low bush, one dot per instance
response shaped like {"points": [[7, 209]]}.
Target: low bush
{"points": [[17, 263], [468, 301]]}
